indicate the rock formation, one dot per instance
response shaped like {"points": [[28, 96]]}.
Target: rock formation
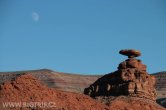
{"points": [[131, 79]]}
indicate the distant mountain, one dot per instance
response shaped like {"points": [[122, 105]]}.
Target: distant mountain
{"points": [[161, 80], [161, 83]]}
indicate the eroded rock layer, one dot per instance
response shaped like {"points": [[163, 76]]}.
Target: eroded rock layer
{"points": [[131, 79]]}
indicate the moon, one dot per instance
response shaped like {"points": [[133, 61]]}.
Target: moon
{"points": [[35, 16]]}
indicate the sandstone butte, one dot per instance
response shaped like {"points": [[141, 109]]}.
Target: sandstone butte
{"points": [[128, 88]]}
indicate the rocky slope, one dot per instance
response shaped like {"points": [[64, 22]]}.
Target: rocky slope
{"points": [[27, 93]]}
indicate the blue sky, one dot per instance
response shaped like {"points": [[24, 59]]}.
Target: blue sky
{"points": [[81, 36]]}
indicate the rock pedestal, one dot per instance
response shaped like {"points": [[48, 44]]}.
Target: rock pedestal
{"points": [[131, 79]]}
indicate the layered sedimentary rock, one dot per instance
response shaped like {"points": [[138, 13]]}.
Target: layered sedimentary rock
{"points": [[131, 79]]}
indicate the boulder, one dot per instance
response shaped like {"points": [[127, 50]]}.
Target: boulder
{"points": [[131, 53]]}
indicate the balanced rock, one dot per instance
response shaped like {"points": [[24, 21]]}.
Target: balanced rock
{"points": [[131, 79], [130, 53]]}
